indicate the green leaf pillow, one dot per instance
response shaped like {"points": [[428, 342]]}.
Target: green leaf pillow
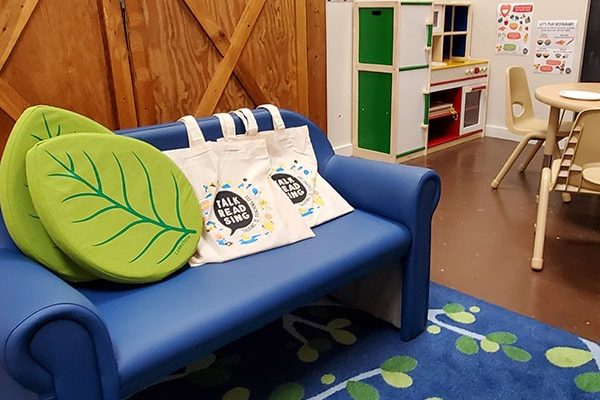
{"points": [[35, 125], [116, 205]]}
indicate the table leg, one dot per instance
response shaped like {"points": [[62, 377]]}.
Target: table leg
{"points": [[553, 125]]}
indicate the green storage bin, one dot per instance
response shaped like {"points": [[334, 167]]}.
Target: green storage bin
{"points": [[376, 36], [374, 116]]}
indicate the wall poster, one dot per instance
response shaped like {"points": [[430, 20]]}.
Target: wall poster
{"points": [[514, 28], [555, 47]]}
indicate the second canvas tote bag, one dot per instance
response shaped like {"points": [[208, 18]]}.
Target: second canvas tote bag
{"points": [[294, 168]]}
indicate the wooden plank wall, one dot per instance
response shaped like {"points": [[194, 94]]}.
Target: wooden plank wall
{"points": [[204, 56], [67, 53], [159, 60], [317, 62]]}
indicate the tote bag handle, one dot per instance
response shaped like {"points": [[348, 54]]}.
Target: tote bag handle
{"points": [[250, 124], [227, 125], [278, 124], [194, 133]]}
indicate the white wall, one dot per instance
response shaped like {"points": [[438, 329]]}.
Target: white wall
{"points": [[483, 43], [339, 76]]}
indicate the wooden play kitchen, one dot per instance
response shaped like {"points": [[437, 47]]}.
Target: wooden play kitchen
{"points": [[458, 82], [415, 87]]}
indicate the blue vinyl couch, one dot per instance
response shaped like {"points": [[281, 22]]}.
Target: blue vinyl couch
{"points": [[108, 341]]}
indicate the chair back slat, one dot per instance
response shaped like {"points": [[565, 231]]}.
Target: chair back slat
{"points": [[582, 151]]}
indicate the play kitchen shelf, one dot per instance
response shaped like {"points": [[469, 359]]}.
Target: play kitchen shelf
{"points": [[391, 69], [440, 109]]}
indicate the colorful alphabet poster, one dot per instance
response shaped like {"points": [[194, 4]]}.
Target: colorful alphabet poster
{"points": [[514, 28], [555, 47]]}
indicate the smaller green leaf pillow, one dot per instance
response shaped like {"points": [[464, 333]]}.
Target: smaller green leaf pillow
{"points": [[117, 206], [36, 124]]}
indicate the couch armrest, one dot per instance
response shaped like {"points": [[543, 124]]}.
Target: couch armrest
{"points": [[52, 340], [407, 195], [392, 191]]}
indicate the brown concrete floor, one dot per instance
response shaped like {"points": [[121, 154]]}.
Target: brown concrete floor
{"points": [[483, 239]]}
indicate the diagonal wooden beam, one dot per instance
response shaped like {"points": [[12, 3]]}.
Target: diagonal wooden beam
{"points": [[11, 102], [221, 42], [238, 41], [119, 67], [14, 26], [137, 37], [302, 56]]}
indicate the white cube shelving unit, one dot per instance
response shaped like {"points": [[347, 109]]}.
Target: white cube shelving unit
{"points": [[391, 70]]}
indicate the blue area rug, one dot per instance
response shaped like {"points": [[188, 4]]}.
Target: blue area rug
{"points": [[471, 350]]}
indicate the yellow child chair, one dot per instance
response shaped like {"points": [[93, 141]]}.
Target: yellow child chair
{"points": [[524, 122], [577, 171]]}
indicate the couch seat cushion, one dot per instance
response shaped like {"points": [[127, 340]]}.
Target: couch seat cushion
{"points": [[158, 328]]}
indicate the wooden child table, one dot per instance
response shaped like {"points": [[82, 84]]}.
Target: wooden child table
{"points": [[550, 94]]}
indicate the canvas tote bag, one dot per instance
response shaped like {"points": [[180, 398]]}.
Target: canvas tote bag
{"points": [[243, 211], [294, 168]]}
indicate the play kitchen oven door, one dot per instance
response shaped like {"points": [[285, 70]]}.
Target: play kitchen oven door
{"points": [[472, 116]]}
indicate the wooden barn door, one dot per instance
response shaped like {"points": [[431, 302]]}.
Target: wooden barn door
{"points": [[67, 53], [140, 62], [203, 56]]}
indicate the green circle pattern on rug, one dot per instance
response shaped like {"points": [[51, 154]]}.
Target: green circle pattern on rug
{"points": [[115, 205], [493, 354], [35, 125]]}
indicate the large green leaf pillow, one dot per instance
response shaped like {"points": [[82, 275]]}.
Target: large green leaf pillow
{"points": [[116, 205], [35, 125]]}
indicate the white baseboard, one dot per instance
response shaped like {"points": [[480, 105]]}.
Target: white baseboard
{"points": [[344, 150], [500, 132], [494, 131]]}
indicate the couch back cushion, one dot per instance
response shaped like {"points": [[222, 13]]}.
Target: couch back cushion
{"points": [[173, 135]]}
